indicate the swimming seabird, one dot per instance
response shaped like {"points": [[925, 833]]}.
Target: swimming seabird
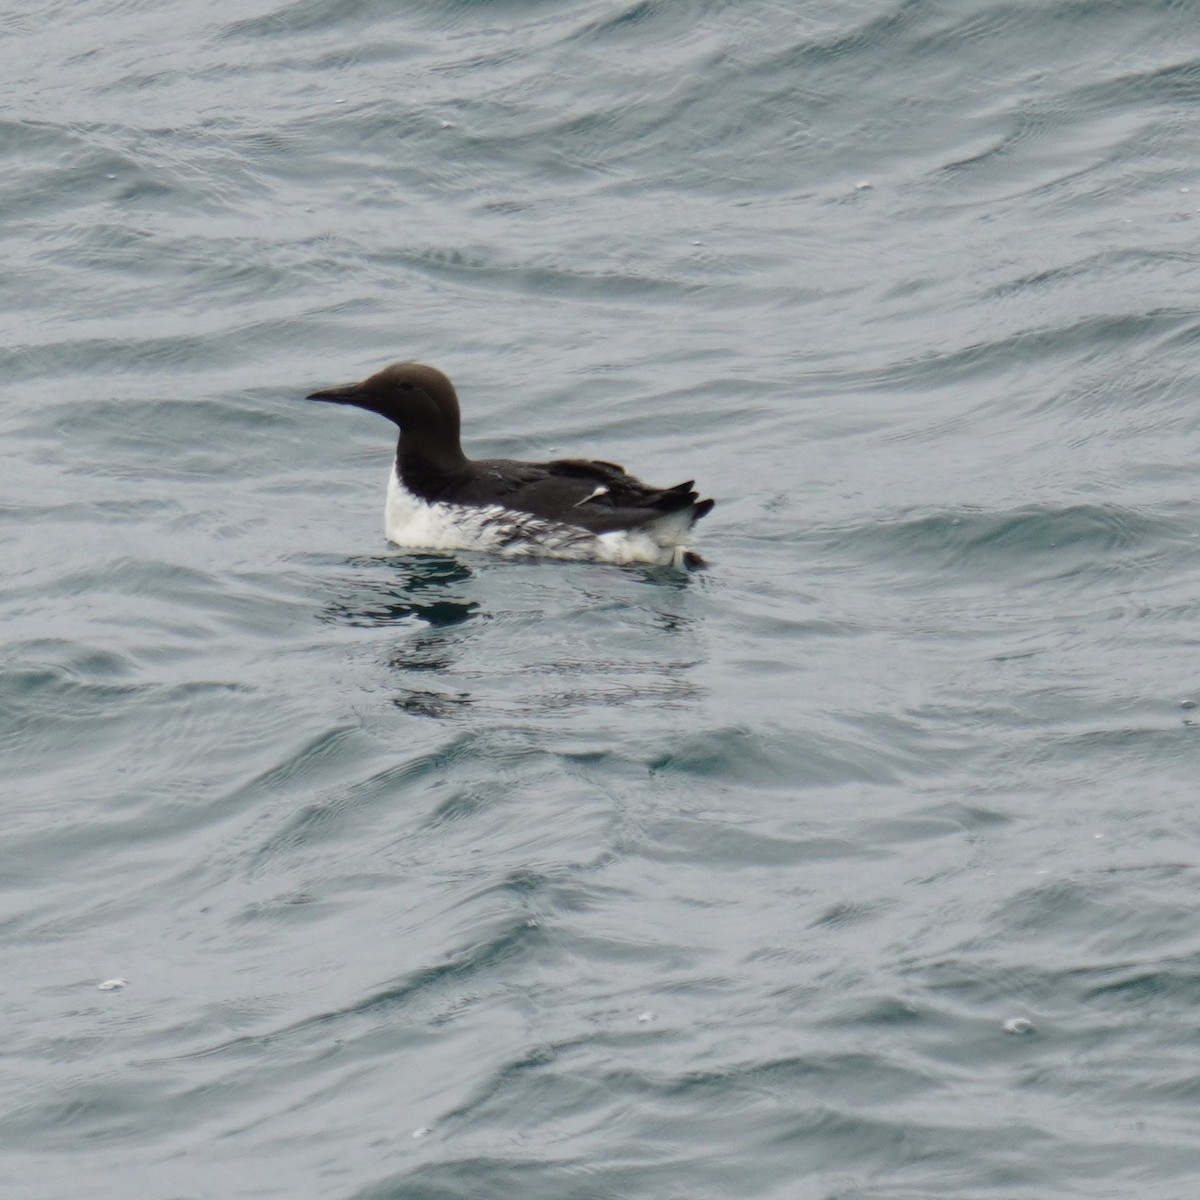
{"points": [[438, 499]]}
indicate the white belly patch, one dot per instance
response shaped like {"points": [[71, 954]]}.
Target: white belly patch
{"points": [[418, 524]]}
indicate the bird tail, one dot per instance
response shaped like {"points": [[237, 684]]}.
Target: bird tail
{"points": [[683, 498]]}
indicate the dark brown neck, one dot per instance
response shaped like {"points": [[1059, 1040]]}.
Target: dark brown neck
{"points": [[427, 468]]}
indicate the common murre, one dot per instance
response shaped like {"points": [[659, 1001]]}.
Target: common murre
{"points": [[438, 499]]}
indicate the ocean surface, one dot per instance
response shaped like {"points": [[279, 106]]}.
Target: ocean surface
{"points": [[864, 864]]}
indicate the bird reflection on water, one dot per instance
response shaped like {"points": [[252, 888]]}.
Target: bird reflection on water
{"points": [[613, 652], [417, 586], [421, 595]]}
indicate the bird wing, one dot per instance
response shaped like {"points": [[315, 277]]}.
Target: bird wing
{"points": [[593, 494]]}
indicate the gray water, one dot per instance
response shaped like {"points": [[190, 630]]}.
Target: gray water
{"points": [[862, 864]]}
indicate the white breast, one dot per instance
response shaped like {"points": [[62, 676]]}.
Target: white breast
{"points": [[418, 524]]}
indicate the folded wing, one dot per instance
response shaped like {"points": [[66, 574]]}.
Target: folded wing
{"points": [[595, 495]]}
